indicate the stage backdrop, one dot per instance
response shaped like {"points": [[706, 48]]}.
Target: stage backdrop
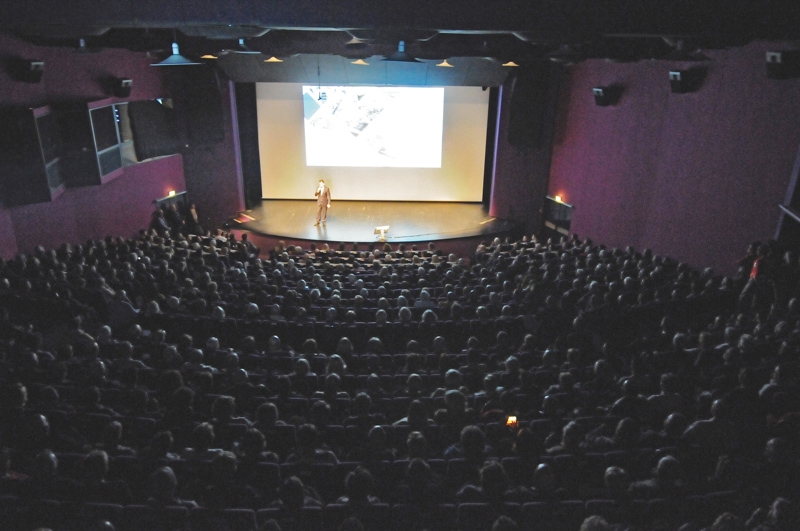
{"points": [[285, 175]]}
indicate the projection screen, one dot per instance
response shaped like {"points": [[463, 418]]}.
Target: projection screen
{"points": [[372, 143]]}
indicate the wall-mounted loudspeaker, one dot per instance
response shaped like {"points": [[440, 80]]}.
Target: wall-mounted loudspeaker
{"points": [[783, 65], [605, 96], [122, 87], [684, 81], [29, 71]]}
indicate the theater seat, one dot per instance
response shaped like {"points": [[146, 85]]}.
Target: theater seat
{"points": [[138, 517], [222, 520], [89, 515], [481, 516], [373, 517]]}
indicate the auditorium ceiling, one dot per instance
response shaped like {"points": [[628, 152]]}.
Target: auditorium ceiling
{"points": [[319, 39]]}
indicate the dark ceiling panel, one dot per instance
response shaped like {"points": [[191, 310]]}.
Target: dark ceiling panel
{"points": [[157, 13], [474, 15], [63, 13], [524, 30], [239, 13]]}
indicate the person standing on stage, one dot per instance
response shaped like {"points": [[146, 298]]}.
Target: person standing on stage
{"points": [[323, 194]]}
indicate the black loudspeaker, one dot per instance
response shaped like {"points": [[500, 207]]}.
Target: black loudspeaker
{"points": [[685, 81], [199, 103], [528, 104], [605, 96], [27, 71], [783, 65], [122, 87]]}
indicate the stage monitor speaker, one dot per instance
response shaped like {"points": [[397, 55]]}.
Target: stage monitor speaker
{"points": [[122, 87], [605, 96], [783, 65]]}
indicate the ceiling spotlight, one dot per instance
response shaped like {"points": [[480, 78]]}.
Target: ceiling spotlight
{"points": [[176, 59], [359, 62], [510, 63], [445, 64], [273, 59], [400, 56], [356, 44]]}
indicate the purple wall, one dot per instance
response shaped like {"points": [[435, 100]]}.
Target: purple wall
{"points": [[118, 208], [123, 205], [694, 176], [73, 76]]}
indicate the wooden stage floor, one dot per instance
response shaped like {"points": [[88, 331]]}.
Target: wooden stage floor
{"points": [[354, 221]]}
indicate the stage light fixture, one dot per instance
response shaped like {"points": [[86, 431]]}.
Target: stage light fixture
{"points": [[359, 62], [273, 59], [356, 43], [176, 59], [510, 63], [171, 193], [445, 64], [558, 199], [400, 56], [208, 56]]}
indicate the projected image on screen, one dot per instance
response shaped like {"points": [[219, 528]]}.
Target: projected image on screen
{"points": [[397, 127]]}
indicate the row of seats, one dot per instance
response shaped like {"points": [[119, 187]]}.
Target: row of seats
{"points": [[552, 516]]}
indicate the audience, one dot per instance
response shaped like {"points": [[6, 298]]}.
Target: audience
{"points": [[191, 370]]}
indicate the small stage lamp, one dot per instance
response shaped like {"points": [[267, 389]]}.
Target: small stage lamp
{"points": [[382, 230]]}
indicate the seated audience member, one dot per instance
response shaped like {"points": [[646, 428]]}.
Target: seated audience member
{"points": [[375, 450], [717, 432], [112, 441], [358, 487], [222, 490], [96, 488], [44, 483], [455, 415], [494, 488], [202, 439], [294, 495], [417, 417], [472, 447], [309, 449], [162, 490], [667, 481]]}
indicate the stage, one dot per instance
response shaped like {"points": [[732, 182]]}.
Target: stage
{"points": [[355, 221]]}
